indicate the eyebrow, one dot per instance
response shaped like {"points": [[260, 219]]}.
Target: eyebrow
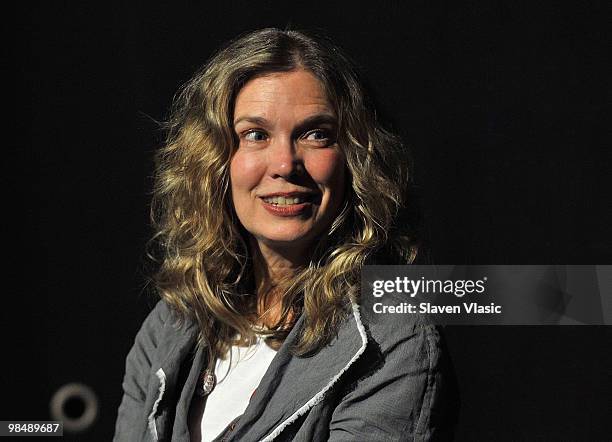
{"points": [[313, 120], [256, 120]]}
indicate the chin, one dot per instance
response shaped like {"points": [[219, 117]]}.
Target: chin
{"points": [[286, 239]]}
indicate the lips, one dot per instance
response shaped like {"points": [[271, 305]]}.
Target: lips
{"points": [[288, 204]]}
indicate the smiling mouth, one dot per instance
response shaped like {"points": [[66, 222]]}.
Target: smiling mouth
{"points": [[291, 204]]}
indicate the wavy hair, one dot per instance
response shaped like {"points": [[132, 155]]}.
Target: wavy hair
{"points": [[204, 264]]}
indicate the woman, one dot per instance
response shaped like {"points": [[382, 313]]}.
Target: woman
{"points": [[276, 185]]}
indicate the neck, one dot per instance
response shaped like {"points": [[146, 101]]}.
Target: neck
{"points": [[272, 268]]}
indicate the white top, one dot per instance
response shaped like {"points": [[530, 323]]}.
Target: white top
{"points": [[238, 375]]}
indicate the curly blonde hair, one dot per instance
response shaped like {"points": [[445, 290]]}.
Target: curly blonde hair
{"points": [[205, 268]]}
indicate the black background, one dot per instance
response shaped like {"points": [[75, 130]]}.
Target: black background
{"points": [[503, 105]]}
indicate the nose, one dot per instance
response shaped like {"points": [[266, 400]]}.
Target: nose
{"points": [[284, 159]]}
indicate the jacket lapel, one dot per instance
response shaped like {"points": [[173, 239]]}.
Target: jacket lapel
{"points": [[293, 385]]}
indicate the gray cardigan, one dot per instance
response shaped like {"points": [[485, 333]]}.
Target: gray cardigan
{"points": [[384, 377]]}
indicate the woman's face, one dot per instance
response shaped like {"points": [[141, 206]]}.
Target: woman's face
{"points": [[287, 174]]}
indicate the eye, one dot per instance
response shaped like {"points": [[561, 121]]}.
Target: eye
{"points": [[255, 135], [318, 136]]}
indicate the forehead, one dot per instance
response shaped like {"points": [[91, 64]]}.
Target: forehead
{"points": [[298, 88]]}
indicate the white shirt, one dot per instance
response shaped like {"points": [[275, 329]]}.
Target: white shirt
{"points": [[238, 375]]}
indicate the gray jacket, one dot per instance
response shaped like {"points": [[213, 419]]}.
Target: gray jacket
{"points": [[384, 377]]}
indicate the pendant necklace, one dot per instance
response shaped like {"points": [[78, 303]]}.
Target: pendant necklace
{"points": [[208, 381]]}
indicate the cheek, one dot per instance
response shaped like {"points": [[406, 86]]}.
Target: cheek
{"points": [[326, 167], [245, 173]]}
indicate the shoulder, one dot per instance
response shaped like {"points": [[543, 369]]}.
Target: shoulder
{"points": [[161, 331], [158, 317], [154, 328]]}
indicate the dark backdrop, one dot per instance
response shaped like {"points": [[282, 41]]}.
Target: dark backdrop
{"points": [[502, 104]]}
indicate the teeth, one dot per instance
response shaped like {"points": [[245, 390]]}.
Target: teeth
{"points": [[282, 201]]}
